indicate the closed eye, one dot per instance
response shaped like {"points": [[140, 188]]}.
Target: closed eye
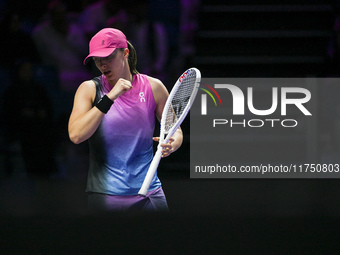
{"points": [[98, 59]]}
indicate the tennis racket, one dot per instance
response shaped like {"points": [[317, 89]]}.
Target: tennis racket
{"points": [[175, 110]]}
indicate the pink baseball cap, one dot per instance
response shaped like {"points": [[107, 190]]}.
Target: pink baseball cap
{"points": [[105, 42]]}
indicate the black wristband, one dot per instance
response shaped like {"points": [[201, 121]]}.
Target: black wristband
{"points": [[104, 104]]}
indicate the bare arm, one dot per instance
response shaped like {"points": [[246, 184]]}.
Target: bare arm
{"points": [[84, 119], [161, 95]]}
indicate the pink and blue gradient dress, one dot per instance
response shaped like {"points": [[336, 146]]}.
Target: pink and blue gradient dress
{"points": [[121, 149]]}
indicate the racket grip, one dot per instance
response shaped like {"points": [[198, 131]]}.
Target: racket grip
{"points": [[151, 173]]}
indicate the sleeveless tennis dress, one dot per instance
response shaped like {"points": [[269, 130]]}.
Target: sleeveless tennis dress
{"points": [[121, 150]]}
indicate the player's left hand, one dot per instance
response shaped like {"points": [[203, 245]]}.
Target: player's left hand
{"points": [[167, 148]]}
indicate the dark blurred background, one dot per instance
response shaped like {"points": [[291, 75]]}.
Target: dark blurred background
{"points": [[43, 175]]}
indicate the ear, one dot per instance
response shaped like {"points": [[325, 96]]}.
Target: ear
{"points": [[126, 53]]}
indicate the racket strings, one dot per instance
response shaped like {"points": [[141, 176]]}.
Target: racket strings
{"points": [[180, 100]]}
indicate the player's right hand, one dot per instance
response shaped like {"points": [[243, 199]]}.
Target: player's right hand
{"points": [[119, 88]]}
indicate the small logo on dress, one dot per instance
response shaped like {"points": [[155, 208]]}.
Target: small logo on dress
{"points": [[103, 42], [141, 97]]}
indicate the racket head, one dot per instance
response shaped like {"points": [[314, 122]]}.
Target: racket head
{"points": [[180, 101]]}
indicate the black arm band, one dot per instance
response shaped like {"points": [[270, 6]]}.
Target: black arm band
{"points": [[104, 104]]}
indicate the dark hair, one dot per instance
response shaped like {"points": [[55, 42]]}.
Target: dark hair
{"points": [[132, 59]]}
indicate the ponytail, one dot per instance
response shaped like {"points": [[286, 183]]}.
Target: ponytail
{"points": [[132, 59]]}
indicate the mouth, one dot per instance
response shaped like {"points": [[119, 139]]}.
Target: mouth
{"points": [[106, 72]]}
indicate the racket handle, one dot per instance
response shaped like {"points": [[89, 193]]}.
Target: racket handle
{"points": [[151, 172]]}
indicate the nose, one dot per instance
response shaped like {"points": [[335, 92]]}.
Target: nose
{"points": [[100, 62]]}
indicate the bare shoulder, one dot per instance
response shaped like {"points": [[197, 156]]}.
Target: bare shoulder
{"points": [[87, 86], [83, 99], [158, 89], [87, 90]]}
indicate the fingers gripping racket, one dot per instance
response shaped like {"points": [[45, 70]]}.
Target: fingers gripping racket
{"points": [[175, 110]]}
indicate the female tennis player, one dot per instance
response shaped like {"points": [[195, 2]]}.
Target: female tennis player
{"points": [[116, 113]]}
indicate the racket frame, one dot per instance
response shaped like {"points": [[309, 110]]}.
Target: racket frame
{"points": [[157, 157]]}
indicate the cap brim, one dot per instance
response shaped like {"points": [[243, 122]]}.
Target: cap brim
{"points": [[102, 53]]}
